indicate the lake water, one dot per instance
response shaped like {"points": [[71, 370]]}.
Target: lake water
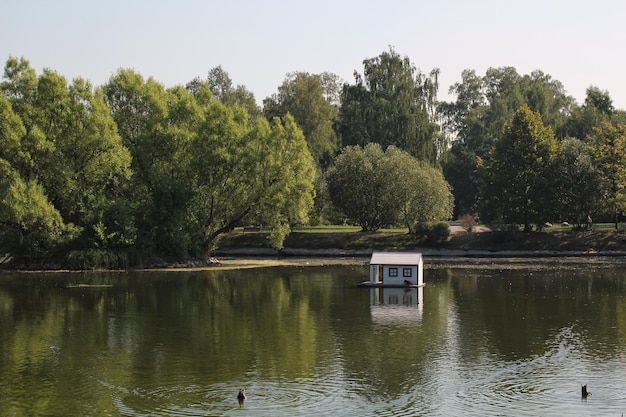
{"points": [[488, 338]]}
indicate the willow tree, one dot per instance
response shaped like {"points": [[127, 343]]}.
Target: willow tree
{"points": [[264, 174], [69, 155]]}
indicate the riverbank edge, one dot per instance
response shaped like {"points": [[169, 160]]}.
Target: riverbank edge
{"points": [[426, 252]]}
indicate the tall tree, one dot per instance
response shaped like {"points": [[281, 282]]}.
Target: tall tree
{"points": [[608, 147], [516, 185], [70, 150], [264, 173], [308, 98], [477, 117], [575, 183], [158, 127], [389, 105], [223, 89], [597, 108]]}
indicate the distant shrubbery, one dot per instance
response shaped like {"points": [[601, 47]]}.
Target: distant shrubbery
{"points": [[436, 232]]}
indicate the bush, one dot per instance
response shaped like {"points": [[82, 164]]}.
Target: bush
{"points": [[435, 232], [440, 232], [96, 259], [468, 222]]}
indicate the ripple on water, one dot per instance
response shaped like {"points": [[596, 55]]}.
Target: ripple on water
{"points": [[315, 396], [550, 382]]}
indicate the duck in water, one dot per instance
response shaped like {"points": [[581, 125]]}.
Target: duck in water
{"points": [[584, 391], [241, 397]]}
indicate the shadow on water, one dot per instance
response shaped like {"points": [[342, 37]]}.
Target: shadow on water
{"points": [[304, 340]]}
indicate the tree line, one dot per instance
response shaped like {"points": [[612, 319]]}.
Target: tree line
{"points": [[109, 175]]}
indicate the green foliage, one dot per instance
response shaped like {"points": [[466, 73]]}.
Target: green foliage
{"points": [[516, 185], [389, 105], [576, 183], [29, 223], [608, 149], [134, 167], [421, 190], [377, 189], [308, 98], [478, 116], [63, 147], [222, 88], [436, 232]]}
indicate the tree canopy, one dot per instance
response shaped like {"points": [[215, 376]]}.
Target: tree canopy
{"points": [[134, 167], [376, 188], [389, 105], [131, 170], [516, 189], [309, 99]]}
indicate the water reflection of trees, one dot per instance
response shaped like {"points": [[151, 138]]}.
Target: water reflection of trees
{"points": [[516, 313], [150, 329]]}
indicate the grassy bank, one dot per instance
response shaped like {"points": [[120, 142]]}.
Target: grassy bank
{"points": [[398, 239]]}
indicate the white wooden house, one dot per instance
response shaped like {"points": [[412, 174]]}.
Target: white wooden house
{"points": [[396, 269]]}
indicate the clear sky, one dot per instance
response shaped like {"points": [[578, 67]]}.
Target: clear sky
{"points": [[579, 43]]}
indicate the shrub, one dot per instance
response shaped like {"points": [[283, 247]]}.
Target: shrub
{"points": [[435, 232], [96, 259], [468, 222], [440, 232]]}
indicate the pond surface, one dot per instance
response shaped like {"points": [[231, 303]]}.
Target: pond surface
{"points": [[490, 340]]}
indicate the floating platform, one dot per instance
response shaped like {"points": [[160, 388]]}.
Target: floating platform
{"points": [[369, 284]]}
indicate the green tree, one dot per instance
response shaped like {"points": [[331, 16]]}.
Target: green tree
{"points": [[221, 86], [265, 173], [158, 127], [516, 187], [575, 182], [308, 98], [30, 226], [608, 148], [377, 189], [477, 117], [70, 151], [597, 108], [357, 186], [421, 189], [389, 105]]}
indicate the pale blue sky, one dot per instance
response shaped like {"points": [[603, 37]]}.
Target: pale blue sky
{"points": [[579, 43]]}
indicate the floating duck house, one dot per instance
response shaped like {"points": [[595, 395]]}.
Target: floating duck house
{"points": [[396, 269]]}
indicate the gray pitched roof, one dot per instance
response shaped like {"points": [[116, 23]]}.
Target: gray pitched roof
{"points": [[395, 258]]}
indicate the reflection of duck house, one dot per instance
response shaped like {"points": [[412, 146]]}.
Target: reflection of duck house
{"points": [[397, 305], [396, 270]]}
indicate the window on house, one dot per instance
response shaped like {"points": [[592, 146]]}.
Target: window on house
{"points": [[393, 272], [407, 272]]}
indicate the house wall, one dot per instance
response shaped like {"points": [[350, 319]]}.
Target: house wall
{"points": [[397, 274]]}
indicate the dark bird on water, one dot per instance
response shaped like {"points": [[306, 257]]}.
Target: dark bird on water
{"points": [[242, 395], [584, 391]]}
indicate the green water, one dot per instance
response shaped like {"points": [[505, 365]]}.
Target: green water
{"points": [[485, 340]]}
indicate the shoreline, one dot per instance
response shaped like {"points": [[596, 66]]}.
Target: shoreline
{"points": [[239, 262], [426, 252]]}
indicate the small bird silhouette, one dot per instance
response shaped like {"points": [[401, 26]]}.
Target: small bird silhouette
{"points": [[584, 391], [241, 396]]}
